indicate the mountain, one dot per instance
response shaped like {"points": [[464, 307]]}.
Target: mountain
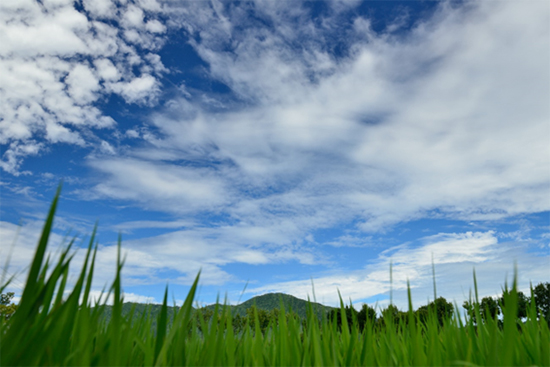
{"points": [[265, 302], [271, 301]]}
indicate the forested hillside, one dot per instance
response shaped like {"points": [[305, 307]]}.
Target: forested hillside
{"points": [[267, 302], [271, 301]]}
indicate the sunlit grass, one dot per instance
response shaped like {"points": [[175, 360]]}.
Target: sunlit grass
{"points": [[48, 329]]}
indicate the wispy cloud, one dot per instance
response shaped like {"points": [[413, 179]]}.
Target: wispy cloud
{"points": [[403, 126], [185, 189], [146, 224], [175, 257]]}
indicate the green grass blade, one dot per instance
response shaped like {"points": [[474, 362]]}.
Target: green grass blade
{"points": [[161, 325]]}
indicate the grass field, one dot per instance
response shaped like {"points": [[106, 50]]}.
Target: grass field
{"points": [[50, 330]]}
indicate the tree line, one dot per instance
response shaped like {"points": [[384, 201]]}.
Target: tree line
{"points": [[262, 317], [489, 307]]}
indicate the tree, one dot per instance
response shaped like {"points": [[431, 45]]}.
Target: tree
{"points": [[335, 315], [7, 308], [273, 316], [263, 318], [238, 323], [205, 314], [366, 313], [523, 303], [488, 308], [541, 294], [440, 307], [391, 314]]}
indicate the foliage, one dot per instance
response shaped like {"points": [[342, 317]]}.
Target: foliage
{"points": [[337, 316], [271, 301], [366, 315], [488, 309], [541, 294], [257, 318], [441, 307], [48, 329], [265, 318], [7, 308], [522, 306]]}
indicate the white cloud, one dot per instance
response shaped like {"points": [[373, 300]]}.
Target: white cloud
{"points": [[11, 162], [155, 26], [207, 249], [19, 244], [159, 184], [140, 90], [57, 133], [449, 248], [133, 17], [28, 30], [150, 5], [82, 84], [132, 133], [100, 8], [57, 63], [145, 224], [132, 297], [97, 295], [106, 70], [107, 148]]}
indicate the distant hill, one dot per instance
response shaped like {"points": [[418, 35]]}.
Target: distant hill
{"points": [[271, 301]]}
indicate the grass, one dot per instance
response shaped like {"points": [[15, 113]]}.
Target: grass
{"points": [[48, 329]]}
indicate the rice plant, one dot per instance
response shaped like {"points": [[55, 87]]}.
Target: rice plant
{"points": [[51, 328]]}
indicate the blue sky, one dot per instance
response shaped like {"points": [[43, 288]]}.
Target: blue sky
{"points": [[275, 144]]}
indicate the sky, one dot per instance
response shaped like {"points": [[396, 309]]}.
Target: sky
{"points": [[280, 146]]}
